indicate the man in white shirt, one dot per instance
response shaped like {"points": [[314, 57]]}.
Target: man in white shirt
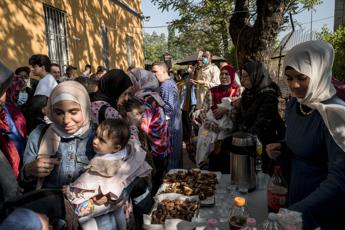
{"points": [[41, 65]]}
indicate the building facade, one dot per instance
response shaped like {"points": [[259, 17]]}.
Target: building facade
{"points": [[339, 14], [72, 32]]}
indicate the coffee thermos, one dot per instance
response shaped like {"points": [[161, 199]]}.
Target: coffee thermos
{"points": [[242, 159]]}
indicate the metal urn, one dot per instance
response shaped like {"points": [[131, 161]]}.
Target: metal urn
{"points": [[242, 160]]}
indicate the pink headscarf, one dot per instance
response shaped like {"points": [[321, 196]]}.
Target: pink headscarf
{"points": [[17, 85]]}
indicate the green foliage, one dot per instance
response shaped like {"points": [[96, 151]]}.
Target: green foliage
{"points": [[337, 39], [155, 46], [203, 25]]}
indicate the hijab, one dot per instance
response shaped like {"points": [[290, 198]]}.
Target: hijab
{"points": [[6, 145], [232, 72], [261, 83], [315, 60], [70, 91], [65, 91], [145, 83], [18, 84], [258, 75], [111, 86]]}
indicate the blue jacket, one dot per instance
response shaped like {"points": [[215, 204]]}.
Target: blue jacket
{"points": [[74, 154]]}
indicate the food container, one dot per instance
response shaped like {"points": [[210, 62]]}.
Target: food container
{"points": [[175, 184], [171, 223]]}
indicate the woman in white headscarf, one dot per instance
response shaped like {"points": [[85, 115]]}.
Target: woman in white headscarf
{"points": [[314, 144]]}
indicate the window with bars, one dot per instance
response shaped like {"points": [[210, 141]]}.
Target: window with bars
{"points": [[129, 45], [56, 33], [105, 46]]}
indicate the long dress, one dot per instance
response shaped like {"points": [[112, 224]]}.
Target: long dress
{"points": [[317, 175], [172, 108]]}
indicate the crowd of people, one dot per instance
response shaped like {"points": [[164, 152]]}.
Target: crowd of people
{"points": [[99, 145]]}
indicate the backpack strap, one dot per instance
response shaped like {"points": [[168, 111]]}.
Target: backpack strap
{"points": [[44, 130], [101, 113]]}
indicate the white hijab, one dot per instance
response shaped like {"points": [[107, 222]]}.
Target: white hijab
{"points": [[315, 60]]}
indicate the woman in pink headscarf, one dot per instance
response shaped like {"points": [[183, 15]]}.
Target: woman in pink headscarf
{"points": [[218, 100]]}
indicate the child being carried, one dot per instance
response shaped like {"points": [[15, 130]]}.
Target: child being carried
{"points": [[117, 163]]}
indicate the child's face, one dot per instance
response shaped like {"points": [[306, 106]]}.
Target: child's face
{"points": [[103, 143], [136, 115], [68, 116]]}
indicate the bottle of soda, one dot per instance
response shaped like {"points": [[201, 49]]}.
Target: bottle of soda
{"points": [[277, 191], [238, 213], [272, 223], [251, 224], [212, 224]]}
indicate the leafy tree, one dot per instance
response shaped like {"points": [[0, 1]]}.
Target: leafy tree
{"points": [[253, 24], [203, 25], [337, 39], [154, 46]]}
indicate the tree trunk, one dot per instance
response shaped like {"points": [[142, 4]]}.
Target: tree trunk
{"points": [[256, 41]]}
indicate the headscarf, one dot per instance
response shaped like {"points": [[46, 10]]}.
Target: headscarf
{"points": [[258, 75], [6, 145], [17, 85], [111, 86], [232, 72], [261, 83], [315, 60], [65, 91], [70, 91], [145, 83]]}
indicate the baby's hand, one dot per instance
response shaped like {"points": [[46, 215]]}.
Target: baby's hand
{"points": [[100, 199]]}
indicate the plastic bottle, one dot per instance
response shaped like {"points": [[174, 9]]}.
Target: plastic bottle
{"points": [[251, 224], [238, 213], [212, 224], [272, 223], [258, 164], [277, 191]]}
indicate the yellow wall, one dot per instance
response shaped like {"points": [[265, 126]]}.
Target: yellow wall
{"points": [[22, 31]]}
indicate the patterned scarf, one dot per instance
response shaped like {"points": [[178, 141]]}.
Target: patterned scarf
{"points": [[6, 145]]}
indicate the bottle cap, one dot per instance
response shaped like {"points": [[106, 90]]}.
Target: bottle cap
{"points": [[239, 201], [251, 222], [272, 216], [213, 223]]}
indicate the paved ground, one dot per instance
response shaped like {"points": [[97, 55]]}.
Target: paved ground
{"points": [[187, 164]]}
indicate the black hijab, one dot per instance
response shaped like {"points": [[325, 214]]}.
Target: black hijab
{"points": [[258, 75], [261, 82], [111, 86]]}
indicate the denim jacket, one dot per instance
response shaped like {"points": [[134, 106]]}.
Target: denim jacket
{"points": [[74, 154]]}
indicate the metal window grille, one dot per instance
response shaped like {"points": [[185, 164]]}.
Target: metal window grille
{"points": [[56, 32], [129, 44], [105, 46]]}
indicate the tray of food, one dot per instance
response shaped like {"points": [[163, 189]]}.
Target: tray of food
{"points": [[195, 182], [172, 209]]}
